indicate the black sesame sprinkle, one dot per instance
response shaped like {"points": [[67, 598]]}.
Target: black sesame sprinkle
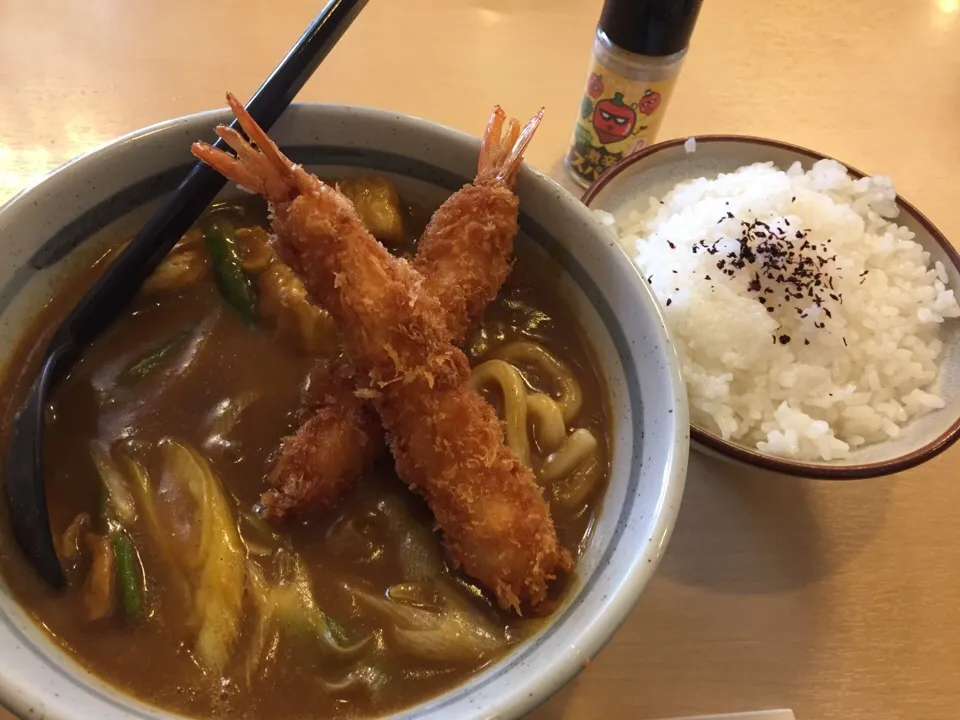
{"points": [[669, 302], [784, 339], [775, 260]]}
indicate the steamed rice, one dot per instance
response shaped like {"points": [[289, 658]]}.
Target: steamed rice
{"points": [[806, 321]]}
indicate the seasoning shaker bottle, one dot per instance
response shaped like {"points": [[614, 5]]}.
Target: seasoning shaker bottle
{"points": [[638, 49]]}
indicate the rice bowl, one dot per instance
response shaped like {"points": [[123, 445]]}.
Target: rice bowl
{"points": [[813, 310]]}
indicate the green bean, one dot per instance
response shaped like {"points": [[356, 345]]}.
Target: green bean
{"points": [[128, 575], [127, 560], [152, 360], [235, 286]]}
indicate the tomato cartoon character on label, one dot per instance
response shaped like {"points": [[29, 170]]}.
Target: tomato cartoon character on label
{"points": [[595, 86], [613, 120], [649, 102]]}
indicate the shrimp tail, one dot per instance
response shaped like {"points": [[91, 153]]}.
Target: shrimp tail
{"points": [[501, 151], [259, 166], [490, 144]]}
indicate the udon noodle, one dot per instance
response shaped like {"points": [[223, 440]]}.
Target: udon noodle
{"points": [[535, 424]]}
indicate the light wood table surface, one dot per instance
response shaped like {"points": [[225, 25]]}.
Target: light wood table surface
{"points": [[839, 600]]}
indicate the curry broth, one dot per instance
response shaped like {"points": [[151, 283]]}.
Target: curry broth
{"points": [[151, 658]]}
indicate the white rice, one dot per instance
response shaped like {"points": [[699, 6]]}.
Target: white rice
{"points": [[804, 381]]}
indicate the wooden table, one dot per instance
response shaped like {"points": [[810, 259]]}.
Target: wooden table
{"points": [[839, 600]]}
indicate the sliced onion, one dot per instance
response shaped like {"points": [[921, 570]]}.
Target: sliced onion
{"points": [[402, 615], [345, 538], [416, 595], [365, 677], [265, 638], [418, 549], [295, 610], [464, 634], [225, 416], [451, 642], [218, 594], [454, 632], [118, 494], [143, 486]]}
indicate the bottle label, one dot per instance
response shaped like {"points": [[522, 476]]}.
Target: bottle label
{"points": [[617, 117]]}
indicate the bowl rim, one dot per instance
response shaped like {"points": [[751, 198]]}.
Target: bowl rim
{"points": [[751, 456], [587, 641]]}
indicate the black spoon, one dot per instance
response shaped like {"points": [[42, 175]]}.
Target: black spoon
{"points": [[23, 470]]}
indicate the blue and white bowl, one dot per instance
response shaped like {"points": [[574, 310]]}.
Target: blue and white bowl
{"points": [[46, 230]]}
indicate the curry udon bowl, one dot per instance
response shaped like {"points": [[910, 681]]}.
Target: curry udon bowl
{"points": [[57, 225]]}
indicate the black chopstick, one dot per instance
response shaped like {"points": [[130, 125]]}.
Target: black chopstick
{"points": [[23, 469]]}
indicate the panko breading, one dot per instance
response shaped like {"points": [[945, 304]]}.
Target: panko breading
{"points": [[446, 440], [464, 256]]}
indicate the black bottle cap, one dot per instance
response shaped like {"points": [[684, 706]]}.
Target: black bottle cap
{"points": [[650, 27]]}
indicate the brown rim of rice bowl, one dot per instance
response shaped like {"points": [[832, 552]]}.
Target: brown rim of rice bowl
{"points": [[811, 469]]}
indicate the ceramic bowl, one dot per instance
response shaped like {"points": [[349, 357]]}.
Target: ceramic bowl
{"points": [[47, 229], [654, 171]]}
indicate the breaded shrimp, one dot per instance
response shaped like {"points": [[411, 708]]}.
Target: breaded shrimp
{"points": [[465, 256], [446, 440], [339, 440], [465, 251]]}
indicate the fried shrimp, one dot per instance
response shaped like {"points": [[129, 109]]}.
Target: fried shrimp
{"points": [[446, 440], [464, 253], [464, 256], [339, 439]]}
